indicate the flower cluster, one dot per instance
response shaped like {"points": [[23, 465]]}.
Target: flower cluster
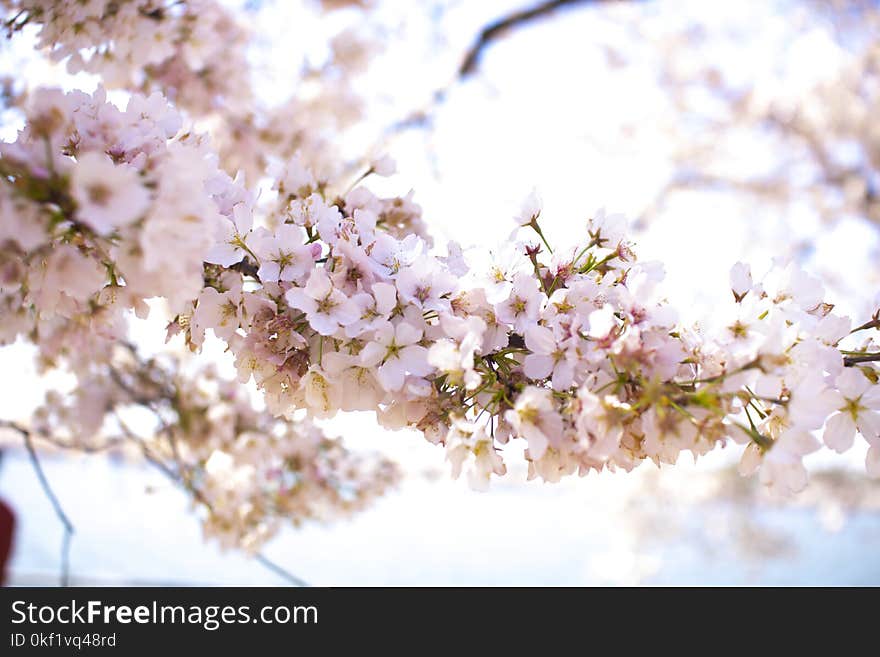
{"points": [[247, 472], [101, 209], [575, 351], [193, 51], [331, 298]]}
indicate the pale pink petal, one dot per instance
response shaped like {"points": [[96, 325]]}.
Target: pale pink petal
{"points": [[405, 333], [840, 432], [323, 323], [372, 354], [537, 366], [563, 375], [537, 440], [391, 374], [868, 423], [386, 297], [319, 284], [540, 340], [415, 359], [297, 298]]}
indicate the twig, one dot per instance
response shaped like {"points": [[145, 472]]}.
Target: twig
{"points": [[176, 476], [247, 268], [874, 323], [197, 495], [496, 29], [47, 489], [850, 361], [278, 570]]}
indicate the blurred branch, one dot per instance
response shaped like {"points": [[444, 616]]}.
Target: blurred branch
{"points": [[247, 268], [488, 35], [47, 489], [874, 323], [850, 361], [182, 475], [150, 387], [263, 560], [497, 29]]}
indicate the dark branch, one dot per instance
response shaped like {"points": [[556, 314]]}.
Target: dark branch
{"points": [[873, 324], [247, 268], [496, 29], [278, 570], [47, 489], [181, 479], [850, 361]]}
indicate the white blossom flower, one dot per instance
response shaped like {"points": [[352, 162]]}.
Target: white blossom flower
{"points": [[740, 280], [311, 211], [859, 410], [426, 285], [390, 255], [608, 230], [454, 356], [793, 284], [522, 306], [507, 262], [374, 308], [325, 307], [297, 179], [535, 418], [323, 398], [108, 195], [283, 254], [232, 234], [219, 311], [384, 166], [782, 470], [397, 352], [530, 209], [602, 322], [359, 390], [469, 442], [549, 358]]}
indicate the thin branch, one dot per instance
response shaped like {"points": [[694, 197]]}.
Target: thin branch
{"points": [[278, 570], [850, 361], [247, 268], [497, 28], [47, 489], [874, 323], [197, 495], [489, 34]]}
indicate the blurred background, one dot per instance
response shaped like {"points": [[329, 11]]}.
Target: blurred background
{"points": [[726, 131]]}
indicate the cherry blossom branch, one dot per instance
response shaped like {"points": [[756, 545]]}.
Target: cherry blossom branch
{"points": [[334, 300], [150, 458], [50, 495]]}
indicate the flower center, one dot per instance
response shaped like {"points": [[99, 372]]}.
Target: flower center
{"points": [[99, 193], [326, 304]]}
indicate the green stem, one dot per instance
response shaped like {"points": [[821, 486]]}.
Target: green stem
{"points": [[537, 229]]}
